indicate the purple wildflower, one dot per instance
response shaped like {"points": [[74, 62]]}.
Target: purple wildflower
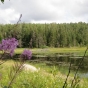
{"points": [[8, 45], [26, 54]]}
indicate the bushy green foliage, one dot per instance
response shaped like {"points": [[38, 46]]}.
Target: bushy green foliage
{"points": [[45, 78]]}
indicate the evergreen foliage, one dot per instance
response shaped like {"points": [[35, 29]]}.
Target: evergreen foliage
{"points": [[43, 35]]}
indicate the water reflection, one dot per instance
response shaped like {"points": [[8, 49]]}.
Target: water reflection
{"points": [[63, 61], [83, 75]]}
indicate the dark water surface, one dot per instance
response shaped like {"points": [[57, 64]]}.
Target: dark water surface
{"points": [[64, 61]]}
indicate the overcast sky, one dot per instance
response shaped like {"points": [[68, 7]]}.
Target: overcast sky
{"points": [[44, 11]]}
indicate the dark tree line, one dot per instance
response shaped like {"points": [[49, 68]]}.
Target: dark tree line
{"points": [[43, 35]]}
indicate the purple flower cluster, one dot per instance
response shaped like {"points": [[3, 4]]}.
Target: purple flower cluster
{"points": [[9, 45], [26, 54]]}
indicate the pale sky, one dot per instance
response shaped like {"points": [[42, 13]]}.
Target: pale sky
{"points": [[44, 11]]}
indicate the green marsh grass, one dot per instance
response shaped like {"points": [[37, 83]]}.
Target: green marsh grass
{"points": [[47, 77], [48, 51]]}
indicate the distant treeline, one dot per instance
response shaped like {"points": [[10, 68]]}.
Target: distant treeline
{"points": [[47, 35]]}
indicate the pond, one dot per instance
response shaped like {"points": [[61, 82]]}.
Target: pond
{"points": [[64, 61]]}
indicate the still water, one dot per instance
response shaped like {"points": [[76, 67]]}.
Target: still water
{"points": [[64, 61]]}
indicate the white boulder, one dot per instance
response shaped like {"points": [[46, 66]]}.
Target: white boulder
{"points": [[30, 67]]}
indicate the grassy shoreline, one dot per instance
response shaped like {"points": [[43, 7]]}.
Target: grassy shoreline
{"points": [[47, 77], [47, 51]]}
